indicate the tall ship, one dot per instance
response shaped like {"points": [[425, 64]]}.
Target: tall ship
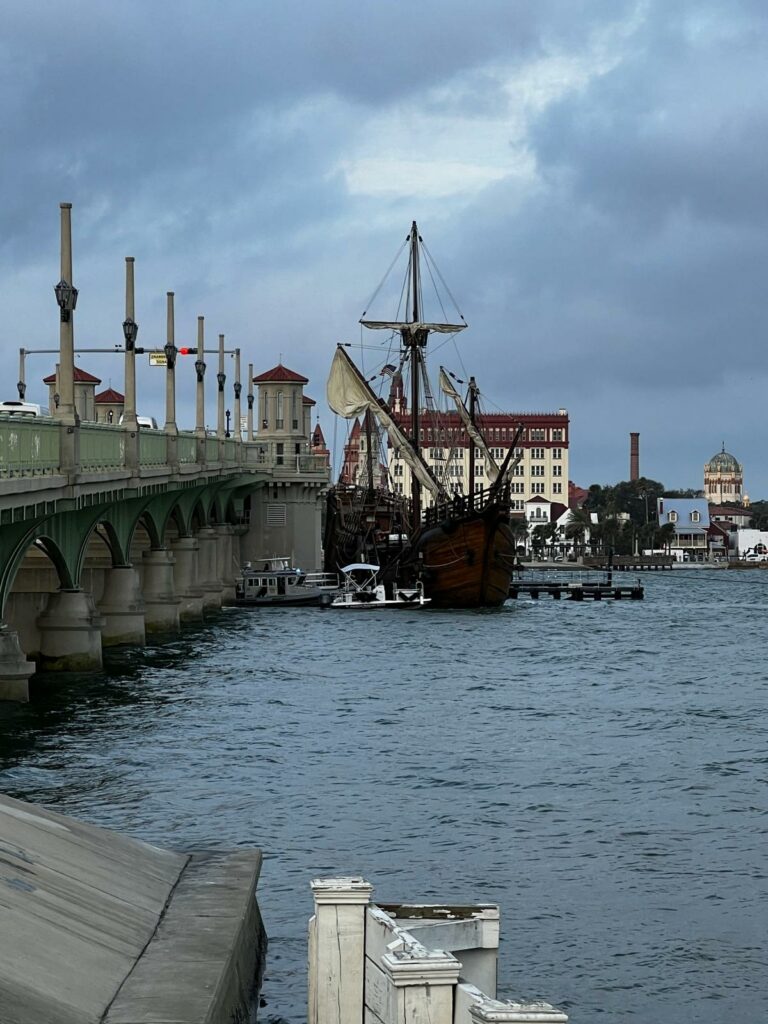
{"points": [[460, 546]]}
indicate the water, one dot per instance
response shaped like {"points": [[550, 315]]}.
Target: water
{"points": [[599, 770]]}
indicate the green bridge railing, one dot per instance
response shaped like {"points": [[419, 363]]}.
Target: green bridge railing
{"points": [[28, 448], [31, 446]]}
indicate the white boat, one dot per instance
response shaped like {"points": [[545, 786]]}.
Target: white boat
{"points": [[273, 581], [361, 590]]}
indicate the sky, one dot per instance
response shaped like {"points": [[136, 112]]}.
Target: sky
{"points": [[591, 177]]}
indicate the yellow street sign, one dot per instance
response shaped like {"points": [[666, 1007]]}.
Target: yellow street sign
{"points": [[157, 359]]}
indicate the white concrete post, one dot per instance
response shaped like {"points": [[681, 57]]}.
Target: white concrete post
{"points": [[185, 577], [237, 432], [208, 568], [129, 409], [249, 433], [122, 608], [170, 371], [161, 605], [337, 950], [15, 670], [70, 632], [200, 403], [420, 987], [66, 382], [494, 1011], [220, 425]]}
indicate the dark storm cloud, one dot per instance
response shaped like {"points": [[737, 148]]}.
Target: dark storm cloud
{"points": [[211, 143]]}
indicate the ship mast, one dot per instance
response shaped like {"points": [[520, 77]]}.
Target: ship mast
{"points": [[415, 339], [472, 402]]}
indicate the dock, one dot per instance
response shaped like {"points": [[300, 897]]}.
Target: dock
{"points": [[578, 590]]}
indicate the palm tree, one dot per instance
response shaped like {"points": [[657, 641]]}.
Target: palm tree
{"points": [[576, 529], [665, 535], [519, 530]]}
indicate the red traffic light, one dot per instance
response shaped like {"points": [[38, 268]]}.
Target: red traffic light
{"points": [[187, 351]]}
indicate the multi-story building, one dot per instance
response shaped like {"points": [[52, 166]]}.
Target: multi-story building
{"points": [[543, 449]]}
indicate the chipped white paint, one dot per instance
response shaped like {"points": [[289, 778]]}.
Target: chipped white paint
{"points": [[337, 950]]}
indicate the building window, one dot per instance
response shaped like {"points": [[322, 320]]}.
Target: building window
{"points": [[673, 517], [518, 488], [537, 453], [695, 516], [537, 434], [557, 435], [518, 471], [518, 505], [279, 417], [557, 488], [537, 488], [557, 471], [557, 453], [537, 471]]}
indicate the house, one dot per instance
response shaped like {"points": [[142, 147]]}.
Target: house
{"points": [[690, 519]]}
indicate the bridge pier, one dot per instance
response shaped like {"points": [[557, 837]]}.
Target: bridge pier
{"points": [[122, 608], [15, 670], [70, 633], [208, 568], [225, 536], [161, 605], [186, 552]]}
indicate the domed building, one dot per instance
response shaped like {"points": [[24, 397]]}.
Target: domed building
{"points": [[723, 479]]}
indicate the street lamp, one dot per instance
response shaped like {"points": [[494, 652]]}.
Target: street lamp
{"points": [[130, 330], [170, 354], [238, 388], [56, 399], [22, 389], [250, 402], [199, 370], [228, 414], [221, 379], [66, 296]]}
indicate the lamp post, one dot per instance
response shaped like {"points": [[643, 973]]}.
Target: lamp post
{"points": [[21, 385], [171, 352], [130, 332], [66, 297], [237, 387], [200, 371], [228, 414], [221, 380], [249, 431]]}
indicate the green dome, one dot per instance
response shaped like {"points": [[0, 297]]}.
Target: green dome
{"points": [[723, 462]]}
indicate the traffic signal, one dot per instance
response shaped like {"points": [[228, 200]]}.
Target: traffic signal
{"points": [[187, 351]]}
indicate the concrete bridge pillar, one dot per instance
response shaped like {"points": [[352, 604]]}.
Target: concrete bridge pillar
{"points": [[208, 568], [70, 633], [186, 551], [15, 670], [227, 568], [161, 605], [122, 608]]}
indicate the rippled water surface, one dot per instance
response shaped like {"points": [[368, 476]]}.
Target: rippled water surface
{"points": [[599, 770]]}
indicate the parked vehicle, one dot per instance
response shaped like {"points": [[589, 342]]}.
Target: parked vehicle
{"points": [[17, 408]]}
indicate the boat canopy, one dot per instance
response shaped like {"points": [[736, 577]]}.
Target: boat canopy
{"points": [[361, 565]]}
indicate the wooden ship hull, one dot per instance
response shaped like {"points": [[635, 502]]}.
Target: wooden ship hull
{"points": [[466, 561]]}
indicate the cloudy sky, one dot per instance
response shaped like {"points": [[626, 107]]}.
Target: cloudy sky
{"points": [[590, 175]]}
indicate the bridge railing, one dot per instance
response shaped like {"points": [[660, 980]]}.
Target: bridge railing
{"points": [[28, 447], [211, 449], [153, 448], [266, 457], [186, 448], [102, 447]]}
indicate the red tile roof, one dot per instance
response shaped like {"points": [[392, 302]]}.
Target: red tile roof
{"points": [[81, 377], [282, 375], [306, 400], [110, 397]]}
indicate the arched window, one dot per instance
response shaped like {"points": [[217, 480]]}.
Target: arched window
{"points": [[280, 422]]}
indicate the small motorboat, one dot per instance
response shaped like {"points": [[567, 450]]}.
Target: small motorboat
{"points": [[361, 589], [278, 583]]}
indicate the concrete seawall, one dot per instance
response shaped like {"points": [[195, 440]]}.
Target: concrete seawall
{"points": [[95, 927]]}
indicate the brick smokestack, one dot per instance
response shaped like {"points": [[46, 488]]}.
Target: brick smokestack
{"points": [[634, 456]]}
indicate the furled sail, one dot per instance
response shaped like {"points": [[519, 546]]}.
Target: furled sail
{"points": [[349, 395], [447, 388], [412, 328]]}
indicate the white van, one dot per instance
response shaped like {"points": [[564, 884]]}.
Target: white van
{"points": [[17, 408], [147, 422]]}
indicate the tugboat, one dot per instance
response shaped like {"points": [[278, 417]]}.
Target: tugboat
{"points": [[461, 547]]}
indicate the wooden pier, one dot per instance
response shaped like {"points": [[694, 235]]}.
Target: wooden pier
{"points": [[577, 591]]}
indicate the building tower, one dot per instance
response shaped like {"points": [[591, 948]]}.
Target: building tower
{"points": [[634, 456], [723, 479]]}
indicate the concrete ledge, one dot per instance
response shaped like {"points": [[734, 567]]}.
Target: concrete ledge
{"points": [[96, 927]]}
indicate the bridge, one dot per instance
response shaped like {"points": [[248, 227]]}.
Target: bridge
{"points": [[110, 531]]}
